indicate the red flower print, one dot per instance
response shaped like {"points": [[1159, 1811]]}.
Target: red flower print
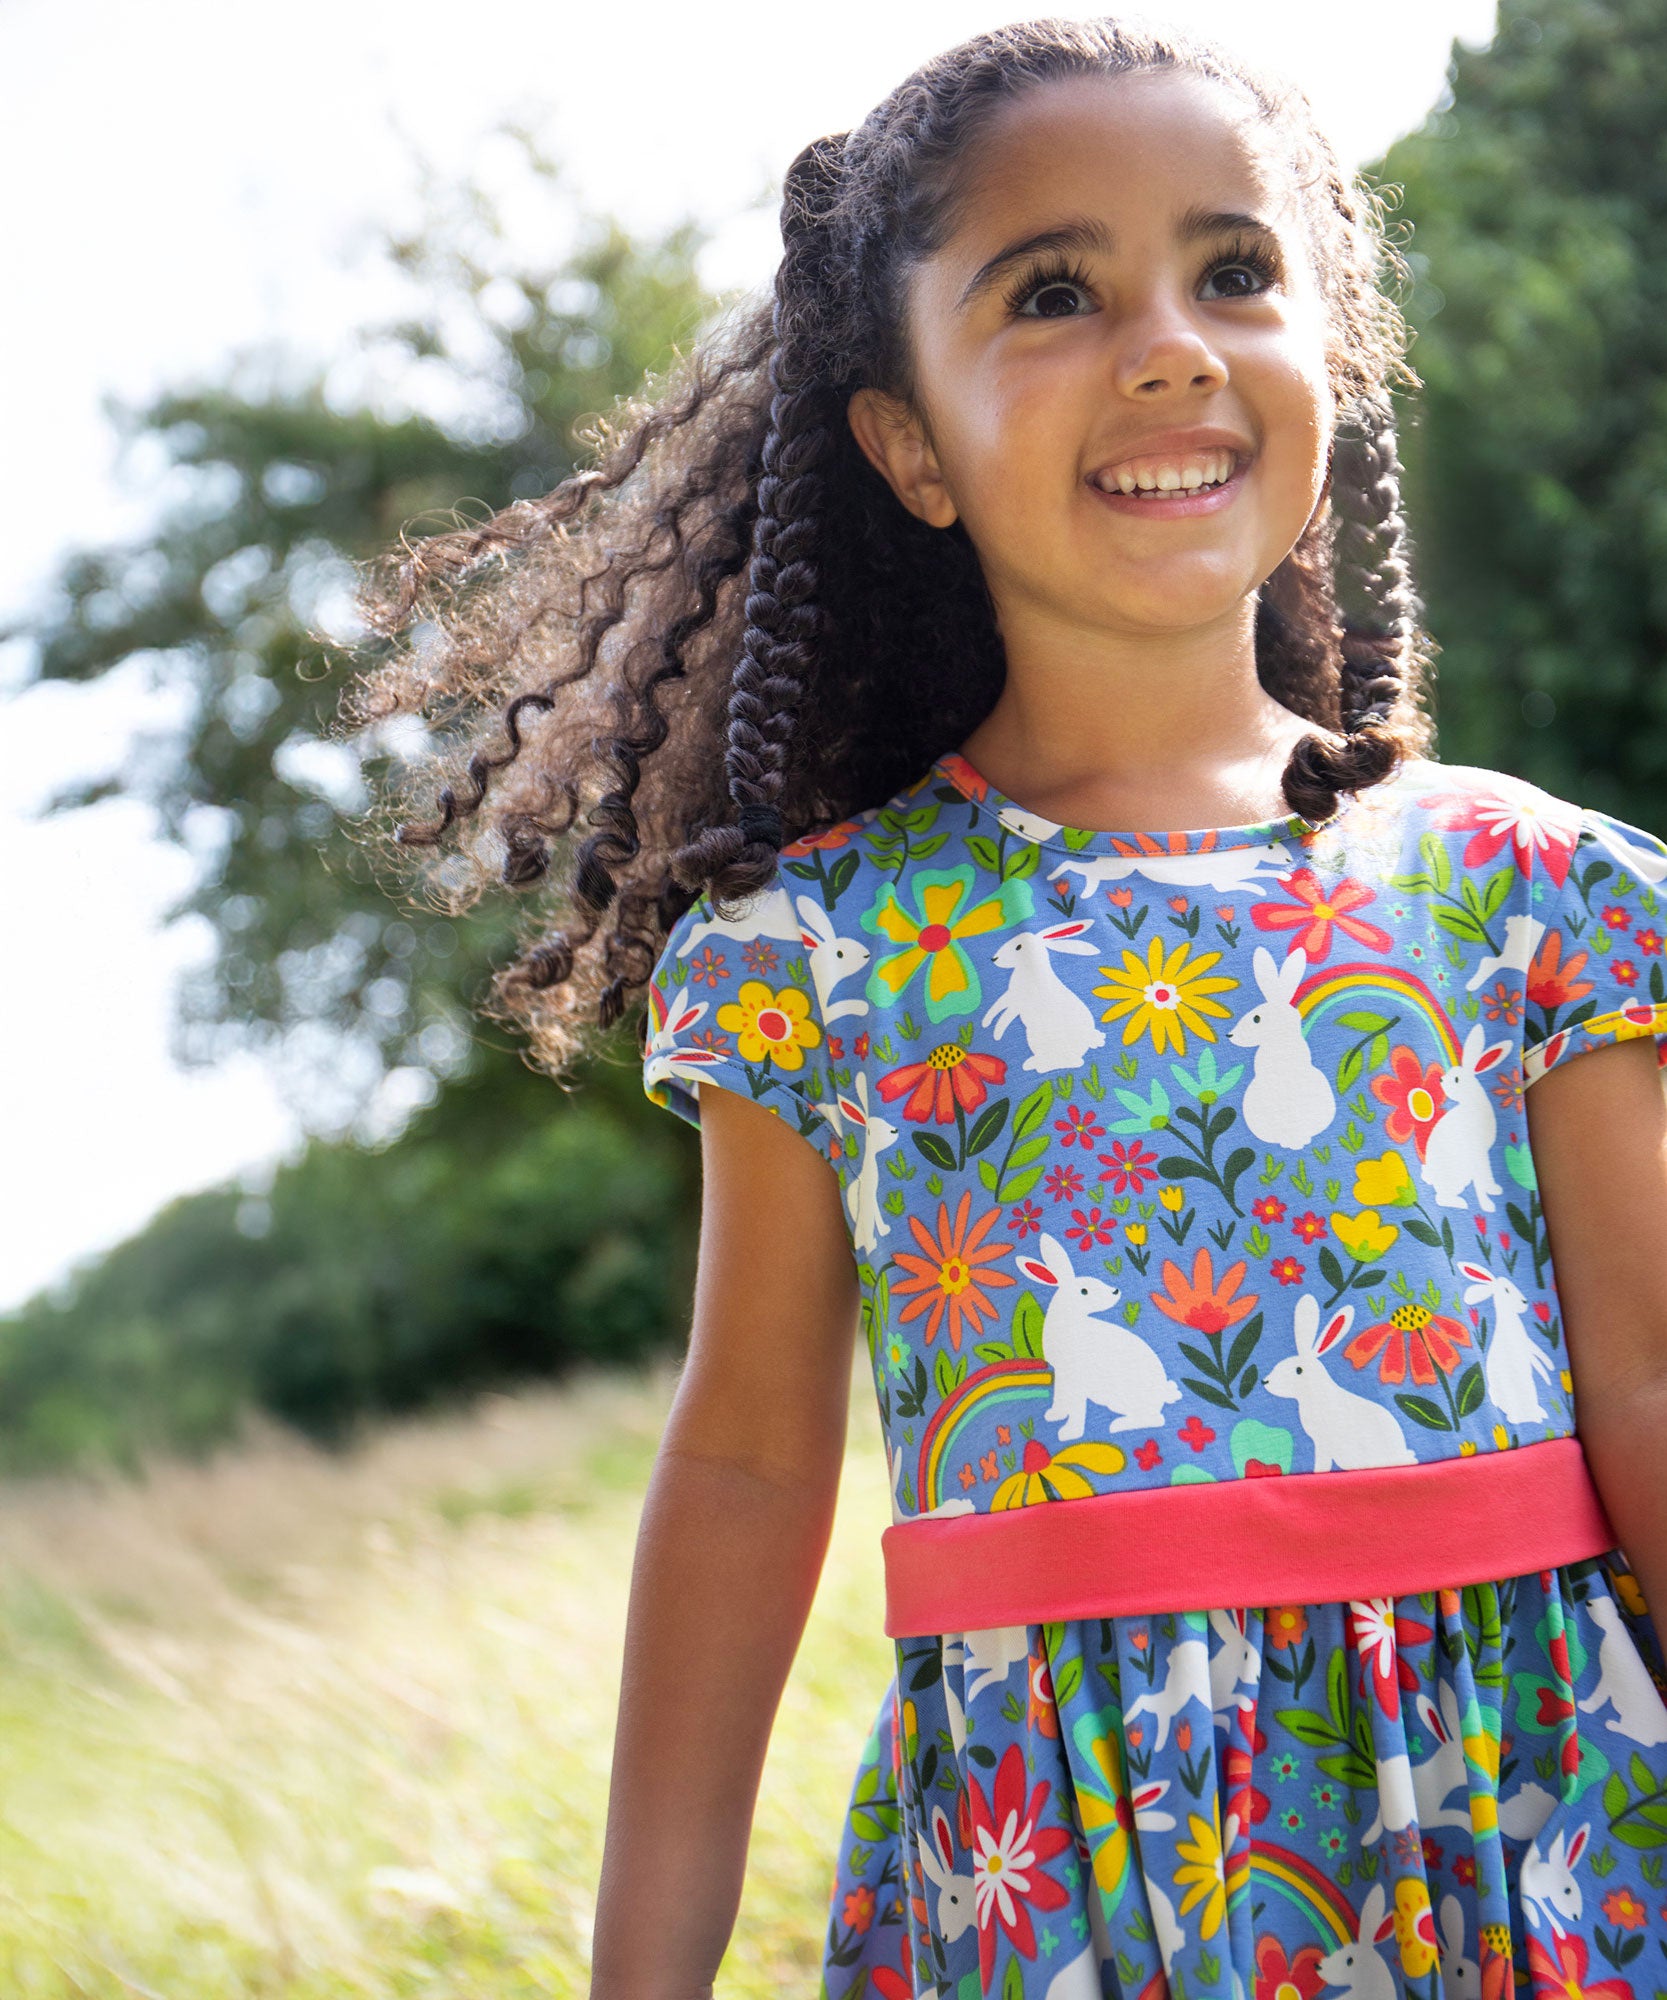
{"points": [[1287, 1270], [1195, 1432], [1130, 1167], [1269, 1208], [1244, 1797], [1279, 1977], [1026, 1219], [1432, 1852], [1560, 1973], [1079, 1127], [1316, 912], [1493, 818], [836, 1048], [1616, 917], [1090, 1227], [1262, 1468], [860, 1045], [1413, 1094], [1625, 972], [949, 1077], [1430, 1339], [1147, 1455], [1064, 1183], [1464, 1869], [1309, 1226], [1009, 1844], [1378, 1635], [1285, 1626], [1551, 983], [1648, 942]]}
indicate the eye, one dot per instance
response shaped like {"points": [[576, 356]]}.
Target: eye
{"points": [[1246, 254], [1050, 285]]}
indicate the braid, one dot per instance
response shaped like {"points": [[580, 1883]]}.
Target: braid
{"points": [[1376, 651], [785, 618]]}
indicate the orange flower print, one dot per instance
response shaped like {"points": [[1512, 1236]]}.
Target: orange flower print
{"points": [[1286, 1625], [949, 1278], [1624, 1910], [949, 1076], [1551, 983], [1429, 1338], [1278, 1977], [1201, 1302], [859, 1908]]}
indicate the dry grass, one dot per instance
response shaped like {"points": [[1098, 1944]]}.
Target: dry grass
{"points": [[293, 1724]]}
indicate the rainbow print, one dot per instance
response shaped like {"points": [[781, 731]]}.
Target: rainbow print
{"points": [[1350, 983], [1284, 1872], [1000, 1382]]}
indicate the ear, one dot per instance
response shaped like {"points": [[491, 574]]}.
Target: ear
{"points": [[894, 443]]}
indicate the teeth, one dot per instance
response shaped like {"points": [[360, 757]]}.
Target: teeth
{"points": [[1210, 468]]}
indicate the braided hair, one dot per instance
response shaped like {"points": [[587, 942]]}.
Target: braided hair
{"points": [[727, 633]]}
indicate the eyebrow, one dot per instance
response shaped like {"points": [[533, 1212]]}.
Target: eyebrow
{"points": [[1082, 233]]}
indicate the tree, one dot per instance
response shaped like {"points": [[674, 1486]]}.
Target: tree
{"points": [[1537, 463], [280, 485]]}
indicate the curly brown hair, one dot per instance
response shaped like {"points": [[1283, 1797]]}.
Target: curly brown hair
{"points": [[727, 632]]}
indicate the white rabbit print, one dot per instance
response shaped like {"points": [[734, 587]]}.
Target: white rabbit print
{"points": [[1224, 868], [1119, 1249], [1513, 1363], [1288, 1101], [1347, 1430], [1458, 1154], [1093, 1360], [1058, 1024]]}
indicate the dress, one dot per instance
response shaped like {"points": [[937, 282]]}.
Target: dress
{"points": [[1261, 1087]]}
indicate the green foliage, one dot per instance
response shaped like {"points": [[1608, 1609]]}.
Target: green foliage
{"points": [[274, 489], [494, 1240], [1537, 456]]}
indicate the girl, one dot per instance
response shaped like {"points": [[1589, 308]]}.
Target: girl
{"points": [[992, 673]]}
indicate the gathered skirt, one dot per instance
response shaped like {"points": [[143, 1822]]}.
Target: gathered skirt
{"points": [[1449, 1795]]}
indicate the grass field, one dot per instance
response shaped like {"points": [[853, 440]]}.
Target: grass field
{"points": [[299, 1725]]}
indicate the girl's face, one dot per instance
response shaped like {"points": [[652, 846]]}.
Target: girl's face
{"points": [[1041, 370]]}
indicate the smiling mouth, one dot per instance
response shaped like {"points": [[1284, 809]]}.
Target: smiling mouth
{"points": [[1218, 468]]}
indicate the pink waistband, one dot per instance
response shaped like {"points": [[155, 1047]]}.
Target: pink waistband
{"points": [[1304, 1538]]}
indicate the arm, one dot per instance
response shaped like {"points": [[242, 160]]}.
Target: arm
{"points": [[729, 1552], [1598, 1132]]}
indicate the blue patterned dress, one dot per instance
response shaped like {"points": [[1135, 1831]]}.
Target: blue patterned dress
{"points": [[1262, 1086]]}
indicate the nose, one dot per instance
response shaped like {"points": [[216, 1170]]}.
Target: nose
{"points": [[1165, 348]]}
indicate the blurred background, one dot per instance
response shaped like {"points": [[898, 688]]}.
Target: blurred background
{"points": [[334, 1341]]}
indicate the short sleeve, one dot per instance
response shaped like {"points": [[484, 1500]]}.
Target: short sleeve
{"points": [[1595, 967], [735, 1004]]}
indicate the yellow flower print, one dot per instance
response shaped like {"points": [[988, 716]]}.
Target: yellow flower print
{"points": [[1203, 1873], [1384, 1182], [1364, 1236], [1414, 1926], [1056, 1476], [1135, 1234], [1164, 995], [1173, 1198], [1107, 1815], [771, 1027]]}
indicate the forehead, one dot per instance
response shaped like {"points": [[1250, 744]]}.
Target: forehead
{"points": [[1137, 149]]}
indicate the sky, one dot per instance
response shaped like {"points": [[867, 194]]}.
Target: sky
{"points": [[187, 181]]}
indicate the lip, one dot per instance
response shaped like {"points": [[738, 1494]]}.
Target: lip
{"points": [[1179, 504]]}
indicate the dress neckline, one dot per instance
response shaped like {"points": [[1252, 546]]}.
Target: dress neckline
{"points": [[954, 769]]}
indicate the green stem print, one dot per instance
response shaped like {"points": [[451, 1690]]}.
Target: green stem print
{"points": [[1211, 1123], [1465, 916]]}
